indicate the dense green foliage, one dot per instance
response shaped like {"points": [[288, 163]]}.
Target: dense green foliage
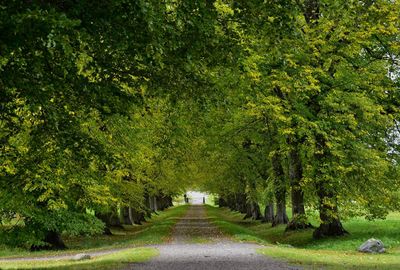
{"points": [[116, 106], [313, 112], [86, 121]]}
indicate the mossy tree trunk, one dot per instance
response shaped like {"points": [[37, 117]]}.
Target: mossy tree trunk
{"points": [[299, 218], [280, 190], [268, 213]]}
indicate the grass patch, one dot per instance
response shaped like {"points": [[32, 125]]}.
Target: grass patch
{"points": [[111, 261], [233, 225], [199, 240], [330, 259], [300, 247], [155, 231]]}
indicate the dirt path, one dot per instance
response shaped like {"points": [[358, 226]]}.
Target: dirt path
{"points": [[216, 254], [195, 226], [196, 244]]}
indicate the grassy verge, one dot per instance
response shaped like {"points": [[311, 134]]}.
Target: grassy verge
{"points": [[330, 259], [111, 261], [299, 247], [155, 231]]}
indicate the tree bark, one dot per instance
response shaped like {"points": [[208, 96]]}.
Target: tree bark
{"points": [[281, 216], [255, 211], [151, 203], [155, 204], [328, 213], [280, 191], [221, 202], [240, 203], [126, 216], [147, 202], [231, 202], [328, 210], [110, 219], [164, 201], [248, 213], [268, 213], [136, 217], [299, 218]]}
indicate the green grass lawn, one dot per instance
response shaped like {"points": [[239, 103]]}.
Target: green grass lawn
{"points": [[299, 247], [111, 261], [155, 231]]}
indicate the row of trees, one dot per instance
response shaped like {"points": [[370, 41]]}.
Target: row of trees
{"points": [[89, 117], [116, 106], [311, 117]]}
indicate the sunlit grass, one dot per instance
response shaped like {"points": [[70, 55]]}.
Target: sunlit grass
{"points": [[110, 261], [300, 247], [334, 259]]}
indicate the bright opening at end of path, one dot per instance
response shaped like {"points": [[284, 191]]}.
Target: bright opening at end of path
{"points": [[196, 197]]}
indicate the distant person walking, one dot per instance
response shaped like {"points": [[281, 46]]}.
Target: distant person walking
{"points": [[186, 198]]}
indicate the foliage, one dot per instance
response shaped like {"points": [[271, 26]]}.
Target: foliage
{"points": [[107, 105]]}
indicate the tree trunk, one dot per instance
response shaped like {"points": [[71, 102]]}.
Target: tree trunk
{"points": [[170, 201], [155, 204], [248, 213], [137, 217], [268, 213], [299, 218], [281, 216], [147, 202], [240, 203], [243, 205], [160, 203], [280, 191], [221, 202], [296, 175], [151, 203], [126, 216], [255, 211], [328, 213], [328, 210], [164, 202], [230, 203], [110, 219]]}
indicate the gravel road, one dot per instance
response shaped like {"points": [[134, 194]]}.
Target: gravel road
{"points": [[216, 254]]}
